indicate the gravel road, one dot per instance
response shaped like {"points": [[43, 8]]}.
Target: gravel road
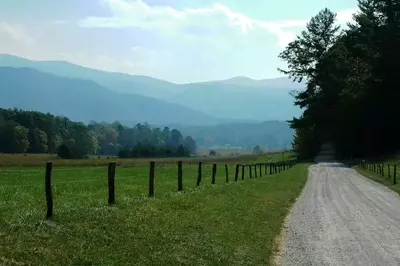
{"points": [[342, 218]]}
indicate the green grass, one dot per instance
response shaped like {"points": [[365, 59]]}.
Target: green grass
{"points": [[39, 160], [385, 180], [222, 224]]}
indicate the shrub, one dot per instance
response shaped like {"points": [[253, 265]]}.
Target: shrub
{"points": [[64, 152]]}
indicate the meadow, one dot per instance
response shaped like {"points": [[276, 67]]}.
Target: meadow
{"points": [[39, 160], [231, 223]]}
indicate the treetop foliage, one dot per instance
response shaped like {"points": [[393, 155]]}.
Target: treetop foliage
{"points": [[35, 132], [352, 90]]}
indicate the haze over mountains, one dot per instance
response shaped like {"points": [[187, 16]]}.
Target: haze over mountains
{"points": [[209, 111], [85, 100], [234, 99]]}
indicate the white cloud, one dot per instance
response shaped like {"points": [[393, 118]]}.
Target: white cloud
{"points": [[182, 45], [346, 15], [138, 14], [14, 32]]}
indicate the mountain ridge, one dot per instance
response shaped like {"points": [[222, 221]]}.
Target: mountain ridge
{"points": [[85, 100], [243, 98], [235, 78]]}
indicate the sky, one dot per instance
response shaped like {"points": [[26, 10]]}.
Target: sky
{"points": [[176, 40]]}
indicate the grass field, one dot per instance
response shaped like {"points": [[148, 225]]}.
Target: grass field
{"points": [[224, 224], [386, 179], [38, 160]]}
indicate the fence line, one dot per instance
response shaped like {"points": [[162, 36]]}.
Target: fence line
{"points": [[273, 169], [379, 168]]}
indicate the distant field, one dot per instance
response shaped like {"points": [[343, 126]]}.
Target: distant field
{"points": [[230, 151], [36, 160], [232, 223]]}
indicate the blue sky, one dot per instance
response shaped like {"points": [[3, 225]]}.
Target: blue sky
{"points": [[177, 40]]}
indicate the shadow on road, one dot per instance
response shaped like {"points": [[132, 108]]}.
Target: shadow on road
{"points": [[327, 156]]}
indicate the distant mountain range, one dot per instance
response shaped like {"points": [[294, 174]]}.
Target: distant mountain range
{"points": [[132, 98], [275, 83], [85, 100]]}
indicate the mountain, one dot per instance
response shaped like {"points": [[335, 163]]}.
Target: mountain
{"points": [[142, 85], [240, 102], [275, 83], [85, 100], [237, 98]]}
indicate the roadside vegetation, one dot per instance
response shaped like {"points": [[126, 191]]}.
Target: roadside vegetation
{"points": [[384, 180], [387, 178]]}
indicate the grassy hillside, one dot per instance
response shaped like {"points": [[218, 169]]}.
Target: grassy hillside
{"points": [[222, 224]]}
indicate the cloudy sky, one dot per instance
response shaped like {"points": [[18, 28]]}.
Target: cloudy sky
{"points": [[176, 40]]}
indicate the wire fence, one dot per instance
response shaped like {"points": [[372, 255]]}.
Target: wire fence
{"points": [[252, 170], [385, 170]]}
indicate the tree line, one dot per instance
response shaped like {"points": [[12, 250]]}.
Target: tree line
{"points": [[351, 97], [35, 132]]}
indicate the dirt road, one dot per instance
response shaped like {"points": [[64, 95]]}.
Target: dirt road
{"points": [[343, 218]]}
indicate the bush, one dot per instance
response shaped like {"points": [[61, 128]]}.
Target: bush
{"points": [[64, 152], [124, 153]]}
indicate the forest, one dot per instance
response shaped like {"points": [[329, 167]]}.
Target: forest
{"points": [[36, 132], [352, 93]]}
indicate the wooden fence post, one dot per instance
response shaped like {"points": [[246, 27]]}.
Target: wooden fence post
{"points": [[383, 169], [242, 172], [151, 179], [180, 176], [214, 172], [270, 169], [199, 174], [389, 171], [260, 167], [49, 195], [237, 172], [250, 171], [255, 171], [226, 174], [395, 174], [111, 183]]}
